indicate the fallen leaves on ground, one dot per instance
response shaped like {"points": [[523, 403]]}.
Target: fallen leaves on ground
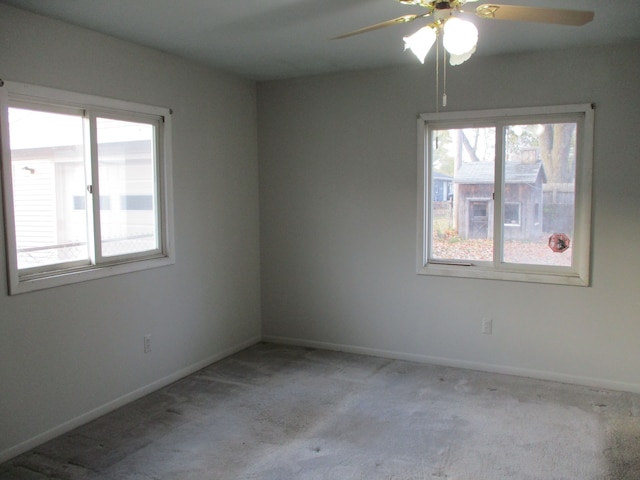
{"points": [[531, 253]]}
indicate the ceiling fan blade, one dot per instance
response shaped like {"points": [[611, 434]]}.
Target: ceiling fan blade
{"points": [[421, 3], [388, 23], [533, 14]]}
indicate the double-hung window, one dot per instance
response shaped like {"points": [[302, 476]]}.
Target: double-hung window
{"points": [[87, 186], [519, 206]]}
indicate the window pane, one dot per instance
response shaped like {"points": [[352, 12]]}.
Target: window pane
{"points": [[128, 206], [47, 161], [540, 179], [462, 185]]}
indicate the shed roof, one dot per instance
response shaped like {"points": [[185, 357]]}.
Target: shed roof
{"points": [[483, 172], [441, 176]]}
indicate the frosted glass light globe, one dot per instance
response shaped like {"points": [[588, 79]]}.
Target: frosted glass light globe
{"points": [[460, 59], [421, 42], [460, 36]]}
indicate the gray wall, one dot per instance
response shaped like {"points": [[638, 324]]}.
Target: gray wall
{"points": [[338, 221], [70, 353]]}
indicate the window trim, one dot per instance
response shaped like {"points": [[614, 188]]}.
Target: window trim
{"points": [[52, 99], [579, 274]]}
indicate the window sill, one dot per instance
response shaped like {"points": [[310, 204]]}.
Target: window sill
{"points": [[41, 281], [467, 270]]}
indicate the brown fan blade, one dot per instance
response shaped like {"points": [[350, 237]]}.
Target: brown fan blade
{"points": [[532, 14], [388, 23]]}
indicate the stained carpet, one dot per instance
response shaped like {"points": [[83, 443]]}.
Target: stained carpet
{"points": [[277, 412]]}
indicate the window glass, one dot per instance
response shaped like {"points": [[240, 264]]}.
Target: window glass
{"points": [[47, 163], [540, 170], [463, 165], [127, 174]]}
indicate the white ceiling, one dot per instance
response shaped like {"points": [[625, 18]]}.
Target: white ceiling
{"points": [[274, 39]]}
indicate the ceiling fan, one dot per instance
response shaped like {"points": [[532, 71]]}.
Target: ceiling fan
{"points": [[460, 36]]}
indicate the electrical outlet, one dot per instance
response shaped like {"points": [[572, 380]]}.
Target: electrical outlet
{"points": [[487, 326], [147, 343]]}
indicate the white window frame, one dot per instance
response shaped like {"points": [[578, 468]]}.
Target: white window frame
{"points": [[97, 267], [579, 273]]}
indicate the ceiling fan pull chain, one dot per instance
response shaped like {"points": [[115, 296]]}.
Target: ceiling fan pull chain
{"points": [[438, 72], [444, 78]]}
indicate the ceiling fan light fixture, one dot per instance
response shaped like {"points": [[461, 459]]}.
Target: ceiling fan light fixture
{"points": [[421, 42], [460, 59], [460, 37]]}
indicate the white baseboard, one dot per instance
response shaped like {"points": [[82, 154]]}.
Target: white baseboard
{"points": [[451, 362], [120, 401]]}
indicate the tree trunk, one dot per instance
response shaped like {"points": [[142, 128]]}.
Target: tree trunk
{"points": [[555, 147]]}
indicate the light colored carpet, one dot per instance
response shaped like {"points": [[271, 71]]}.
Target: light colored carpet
{"points": [[275, 412]]}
